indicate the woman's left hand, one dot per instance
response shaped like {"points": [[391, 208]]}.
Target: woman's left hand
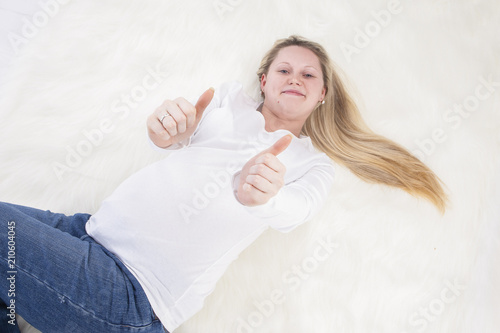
{"points": [[263, 175]]}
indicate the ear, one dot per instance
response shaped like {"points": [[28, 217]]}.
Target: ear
{"points": [[263, 81], [323, 93]]}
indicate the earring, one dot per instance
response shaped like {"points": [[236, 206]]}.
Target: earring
{"points": [[322, 102]]}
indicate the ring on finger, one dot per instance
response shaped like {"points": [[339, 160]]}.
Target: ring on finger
{"points": [[163, 117]]}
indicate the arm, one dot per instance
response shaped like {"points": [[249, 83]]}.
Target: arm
{"points": [[259, 186], [296, 202]]}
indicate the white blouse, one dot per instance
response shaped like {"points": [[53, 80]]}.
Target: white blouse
{"points": [[177, 225]]}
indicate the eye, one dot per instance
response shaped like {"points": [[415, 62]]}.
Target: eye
{"points": [[283, 71], [308, 75]]}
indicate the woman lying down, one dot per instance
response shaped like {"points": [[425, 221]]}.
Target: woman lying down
{"points": [[147, 259]]}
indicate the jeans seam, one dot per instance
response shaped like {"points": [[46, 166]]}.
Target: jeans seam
{"points": [[78, 305]]}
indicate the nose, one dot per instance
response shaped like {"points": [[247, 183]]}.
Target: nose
{"points": [[294, 80]]}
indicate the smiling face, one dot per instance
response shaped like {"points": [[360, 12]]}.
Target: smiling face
{"points": [[293, 86]]}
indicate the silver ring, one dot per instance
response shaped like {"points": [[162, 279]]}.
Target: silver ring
{"points": [[163, 117]]}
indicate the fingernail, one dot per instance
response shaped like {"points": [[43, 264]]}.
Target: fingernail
{"points": [[212, 88]]}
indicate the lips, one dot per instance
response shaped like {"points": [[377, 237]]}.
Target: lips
{"points": [[293, 92]]}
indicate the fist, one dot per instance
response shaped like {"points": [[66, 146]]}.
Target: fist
{"points": [[176, 120], [263, 175]]}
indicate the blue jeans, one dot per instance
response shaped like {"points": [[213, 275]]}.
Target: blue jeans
{"points": [[60, 280]]}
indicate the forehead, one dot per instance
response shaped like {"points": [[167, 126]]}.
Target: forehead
{"points": [[297, 55]]}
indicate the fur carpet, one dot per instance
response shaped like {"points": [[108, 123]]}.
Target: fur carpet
{"points": [[84, 75]]}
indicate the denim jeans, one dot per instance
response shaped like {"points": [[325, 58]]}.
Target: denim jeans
{"points": [[60, 280]]}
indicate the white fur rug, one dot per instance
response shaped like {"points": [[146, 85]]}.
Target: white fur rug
{"points": [[426, 74]]}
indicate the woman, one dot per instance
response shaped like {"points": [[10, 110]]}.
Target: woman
{"points": [[146, 260]]}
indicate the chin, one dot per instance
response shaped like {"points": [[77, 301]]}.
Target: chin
{"points": [[293, 113]]}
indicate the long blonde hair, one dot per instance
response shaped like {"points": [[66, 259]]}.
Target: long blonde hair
{"points": [[337, 129]]}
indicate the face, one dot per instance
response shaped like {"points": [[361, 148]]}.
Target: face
{"points": [[294, 85]]}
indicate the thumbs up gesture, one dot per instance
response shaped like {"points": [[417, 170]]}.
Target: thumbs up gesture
{"points": [[263, 175], [176, 120]]}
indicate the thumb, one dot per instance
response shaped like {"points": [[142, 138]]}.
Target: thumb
{"points": [[203, 102], [279, 146]]}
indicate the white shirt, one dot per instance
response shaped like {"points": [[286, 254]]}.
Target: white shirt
{"points": [[177, 225]]}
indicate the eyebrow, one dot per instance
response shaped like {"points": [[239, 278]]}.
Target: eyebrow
{"points": [[287, 63]]}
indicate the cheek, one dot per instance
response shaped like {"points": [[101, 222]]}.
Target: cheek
{"points": [[317, 90], [273, 83], [273, 87]]}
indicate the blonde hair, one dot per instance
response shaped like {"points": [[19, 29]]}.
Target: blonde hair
{"points": [[337, 129]]}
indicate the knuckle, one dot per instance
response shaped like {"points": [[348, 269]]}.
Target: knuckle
{"points": [[167, 103], [153, 118], [191, 111], [182, 119], [164, 134], [169, 124], [251, 179], [261, 168], [271, 158], [159, 131], [265, 158]]}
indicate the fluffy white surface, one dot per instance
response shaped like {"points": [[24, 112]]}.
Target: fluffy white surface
{"points": [[394, 255]]}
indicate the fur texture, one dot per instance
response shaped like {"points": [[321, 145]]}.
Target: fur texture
{"points": [[376, 259]]}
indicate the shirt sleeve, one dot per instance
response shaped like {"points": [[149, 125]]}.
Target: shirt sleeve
{"points": [[296, 202]]}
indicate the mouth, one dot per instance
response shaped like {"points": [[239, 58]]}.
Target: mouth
{"points": [[293, 93]]}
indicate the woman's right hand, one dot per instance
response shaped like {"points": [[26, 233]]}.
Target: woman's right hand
{"points": [[176, 120]]}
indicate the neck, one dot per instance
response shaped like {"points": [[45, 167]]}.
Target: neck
{"points": [[274, 123]]}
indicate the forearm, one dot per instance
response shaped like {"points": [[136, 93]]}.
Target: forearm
{"points": [[296, 202]]}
